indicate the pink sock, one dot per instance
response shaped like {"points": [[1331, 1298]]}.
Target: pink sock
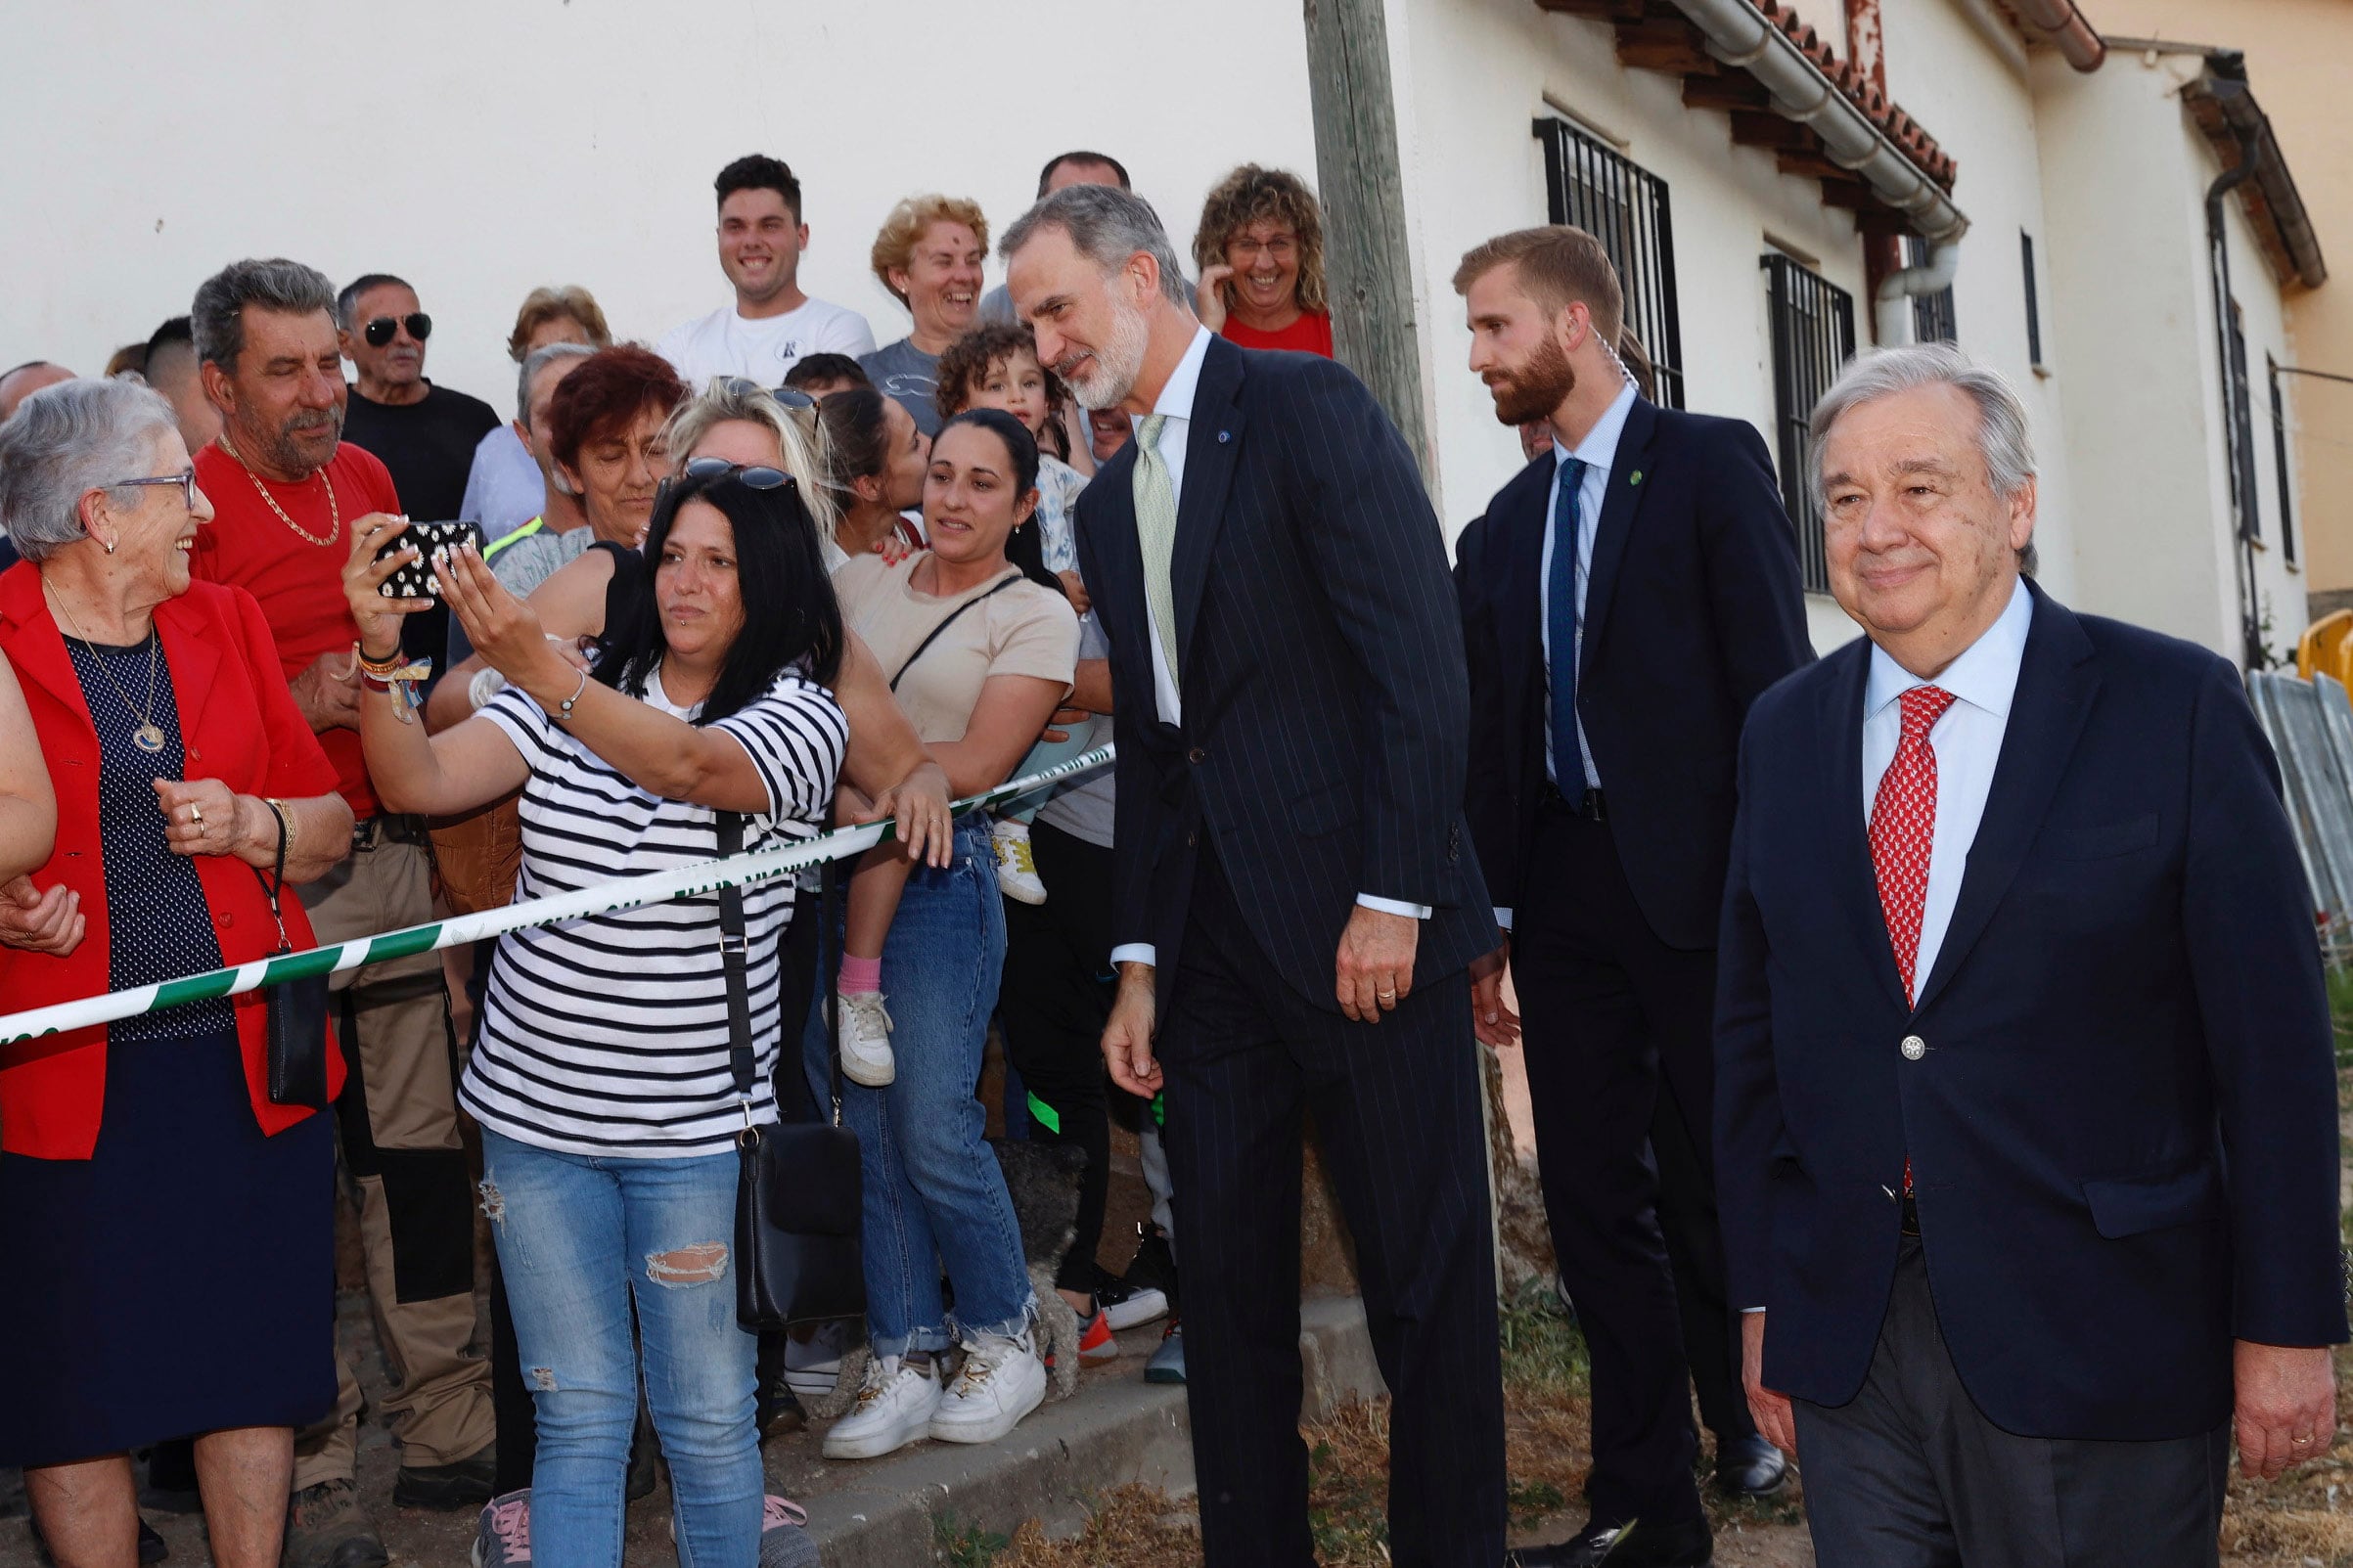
{"points": [[860, 975]]}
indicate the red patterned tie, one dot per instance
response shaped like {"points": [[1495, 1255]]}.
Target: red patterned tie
{"points": [[1903, 826], [1903, 833]]}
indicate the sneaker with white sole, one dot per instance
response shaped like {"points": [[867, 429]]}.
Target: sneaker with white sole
{"points": [[1002, 1381], [865, 1039], [894, 1408], [1016, 864], [502, 1536], [813, 1356]]}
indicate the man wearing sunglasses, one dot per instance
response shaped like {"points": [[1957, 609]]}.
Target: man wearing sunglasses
{"points": [[426, 434]]}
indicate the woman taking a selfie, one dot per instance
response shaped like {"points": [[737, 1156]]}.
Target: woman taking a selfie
{"points": [[601, 1076]]}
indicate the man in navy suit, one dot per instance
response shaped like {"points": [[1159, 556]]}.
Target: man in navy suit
{"points": [[2027, 1112], [1295, 903], [1624, 600]]}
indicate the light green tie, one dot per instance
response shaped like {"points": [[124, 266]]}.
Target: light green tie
{"points": [[1156, 535]]}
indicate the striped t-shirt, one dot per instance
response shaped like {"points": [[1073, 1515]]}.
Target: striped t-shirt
{"points": [[607, 1035]]}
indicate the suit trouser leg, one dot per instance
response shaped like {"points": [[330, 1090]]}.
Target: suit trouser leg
{"points": [[1594, 1088], [1397, 1109], [397, 1119], [1910, 1473], [1057, 994], [1678, 992]]}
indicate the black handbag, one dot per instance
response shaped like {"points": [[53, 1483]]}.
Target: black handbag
{"points": [[800, 1193], [297, 1009]]}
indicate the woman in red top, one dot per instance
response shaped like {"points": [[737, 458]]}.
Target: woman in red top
{"points": [[169, 1230], [1260, 248]]}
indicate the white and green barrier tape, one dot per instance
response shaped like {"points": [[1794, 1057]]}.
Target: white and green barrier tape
{"points": [[686, 881]]}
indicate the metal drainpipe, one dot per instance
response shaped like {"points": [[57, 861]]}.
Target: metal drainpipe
{"points": [[2218, 257], [1891, 310]]}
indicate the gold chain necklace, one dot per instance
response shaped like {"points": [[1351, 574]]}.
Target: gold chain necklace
{"points": [[148, 736], [335, 514]]}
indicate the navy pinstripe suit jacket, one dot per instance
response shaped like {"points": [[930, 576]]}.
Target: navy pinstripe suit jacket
{"points": [[1320, 654]]}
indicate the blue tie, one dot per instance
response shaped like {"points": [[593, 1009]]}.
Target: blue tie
{"points": [[1561, 622]]}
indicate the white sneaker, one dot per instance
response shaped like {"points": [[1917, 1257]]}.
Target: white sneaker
{"points": [[1002, 1381], [894, 1408], [1017, 867], [865, 1039]]}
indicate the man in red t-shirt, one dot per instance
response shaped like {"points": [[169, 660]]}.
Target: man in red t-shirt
{"points": [[287, 500]]}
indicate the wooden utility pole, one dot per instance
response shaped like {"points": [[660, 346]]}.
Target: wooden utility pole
{"points": [[1365, 250]]}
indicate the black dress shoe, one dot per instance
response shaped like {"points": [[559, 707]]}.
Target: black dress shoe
{"points": [[466, 1484], [1627, 1546], [152, 1548], [1751, 1467]]}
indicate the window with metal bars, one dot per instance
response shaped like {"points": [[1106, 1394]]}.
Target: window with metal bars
{"points": [[1624, 206], [1932, 318], [2243, 493], [2279, 459], [1813, 338]]}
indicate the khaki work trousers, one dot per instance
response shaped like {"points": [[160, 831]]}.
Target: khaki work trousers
{"points": [[398, 1123]]}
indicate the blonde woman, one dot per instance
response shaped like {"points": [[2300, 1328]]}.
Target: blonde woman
{"points": [[929, 255]]}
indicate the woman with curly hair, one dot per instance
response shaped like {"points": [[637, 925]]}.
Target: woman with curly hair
{"points": [[1260, 248], [929, 255]]}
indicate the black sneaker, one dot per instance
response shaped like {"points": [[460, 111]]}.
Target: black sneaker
{"points": [[1148, 1288], [466, 1484]]}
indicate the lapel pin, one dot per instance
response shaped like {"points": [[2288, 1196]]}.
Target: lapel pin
{"points": [[1225, 435], [1634, 479]]}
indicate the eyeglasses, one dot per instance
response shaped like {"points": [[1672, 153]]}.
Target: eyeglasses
{"points": [[380, 331], [185, 480], [792, 397]]}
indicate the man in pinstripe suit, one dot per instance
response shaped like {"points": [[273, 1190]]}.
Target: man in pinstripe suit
{"points": [[1295, 899]]}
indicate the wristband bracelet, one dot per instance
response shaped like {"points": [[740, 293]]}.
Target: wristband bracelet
{"points": [[382, 668], [564, 712]]}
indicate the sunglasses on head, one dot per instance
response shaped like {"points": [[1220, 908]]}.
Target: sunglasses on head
{"points": [[708, 471], [380, 331]]}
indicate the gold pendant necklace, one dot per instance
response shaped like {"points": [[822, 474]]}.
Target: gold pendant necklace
{"points": [[148, 736], [335, 514]]}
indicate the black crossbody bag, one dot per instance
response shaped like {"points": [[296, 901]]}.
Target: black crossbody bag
{"points": [[297, 1009], [800, 1192]]}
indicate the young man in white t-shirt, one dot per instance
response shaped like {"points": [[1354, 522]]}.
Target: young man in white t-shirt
{"points": [[772, 323]]}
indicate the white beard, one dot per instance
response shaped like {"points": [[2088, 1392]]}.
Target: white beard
{"points": [[1117, 362]]}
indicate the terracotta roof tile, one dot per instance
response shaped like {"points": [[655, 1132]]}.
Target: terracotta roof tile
{"points": [[1900, 128]]}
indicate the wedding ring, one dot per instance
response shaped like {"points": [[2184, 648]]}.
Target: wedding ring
{"points": [[196, 817], [1384, 996], [2299, 1442]]}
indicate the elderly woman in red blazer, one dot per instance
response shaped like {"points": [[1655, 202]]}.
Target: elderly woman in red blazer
{"points": [[169, 1231]]}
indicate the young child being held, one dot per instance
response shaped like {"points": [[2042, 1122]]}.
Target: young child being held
{"points": [[997, 366]]}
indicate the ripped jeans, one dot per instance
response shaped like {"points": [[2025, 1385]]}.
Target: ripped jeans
{"points": [[578, 1238]]}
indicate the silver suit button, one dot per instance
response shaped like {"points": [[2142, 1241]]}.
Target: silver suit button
{"points": [[1914, 1047]]}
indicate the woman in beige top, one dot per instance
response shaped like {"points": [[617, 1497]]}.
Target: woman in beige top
{"points": [[979, 655]]}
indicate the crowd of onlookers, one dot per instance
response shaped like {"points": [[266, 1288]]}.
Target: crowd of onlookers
{"points": [[631, 661]]}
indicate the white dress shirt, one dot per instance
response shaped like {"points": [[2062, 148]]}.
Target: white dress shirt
{"points": [[1175, 404], [1967, 743], [1599, 453]]}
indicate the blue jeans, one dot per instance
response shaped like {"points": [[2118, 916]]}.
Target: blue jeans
{"points": [[578, 1239], [935, 1193]]}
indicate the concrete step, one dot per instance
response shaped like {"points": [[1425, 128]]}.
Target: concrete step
{"points": [[1117, 1429]]}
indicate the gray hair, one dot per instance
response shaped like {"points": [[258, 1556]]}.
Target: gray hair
{"points": [[217, 317], [538, 360], [65, 441], [1106, 225], [798, 437], [2002, 434]]}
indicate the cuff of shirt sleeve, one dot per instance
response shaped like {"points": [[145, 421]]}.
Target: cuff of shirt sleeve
{"points": [[1503, 918], [1745, 1311], [1393, 905], [1135, 953]]}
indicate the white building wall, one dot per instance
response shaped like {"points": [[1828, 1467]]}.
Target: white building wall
{"points": [[1952, 68], [2131, 312], [481, 150], [1470, 76]]}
